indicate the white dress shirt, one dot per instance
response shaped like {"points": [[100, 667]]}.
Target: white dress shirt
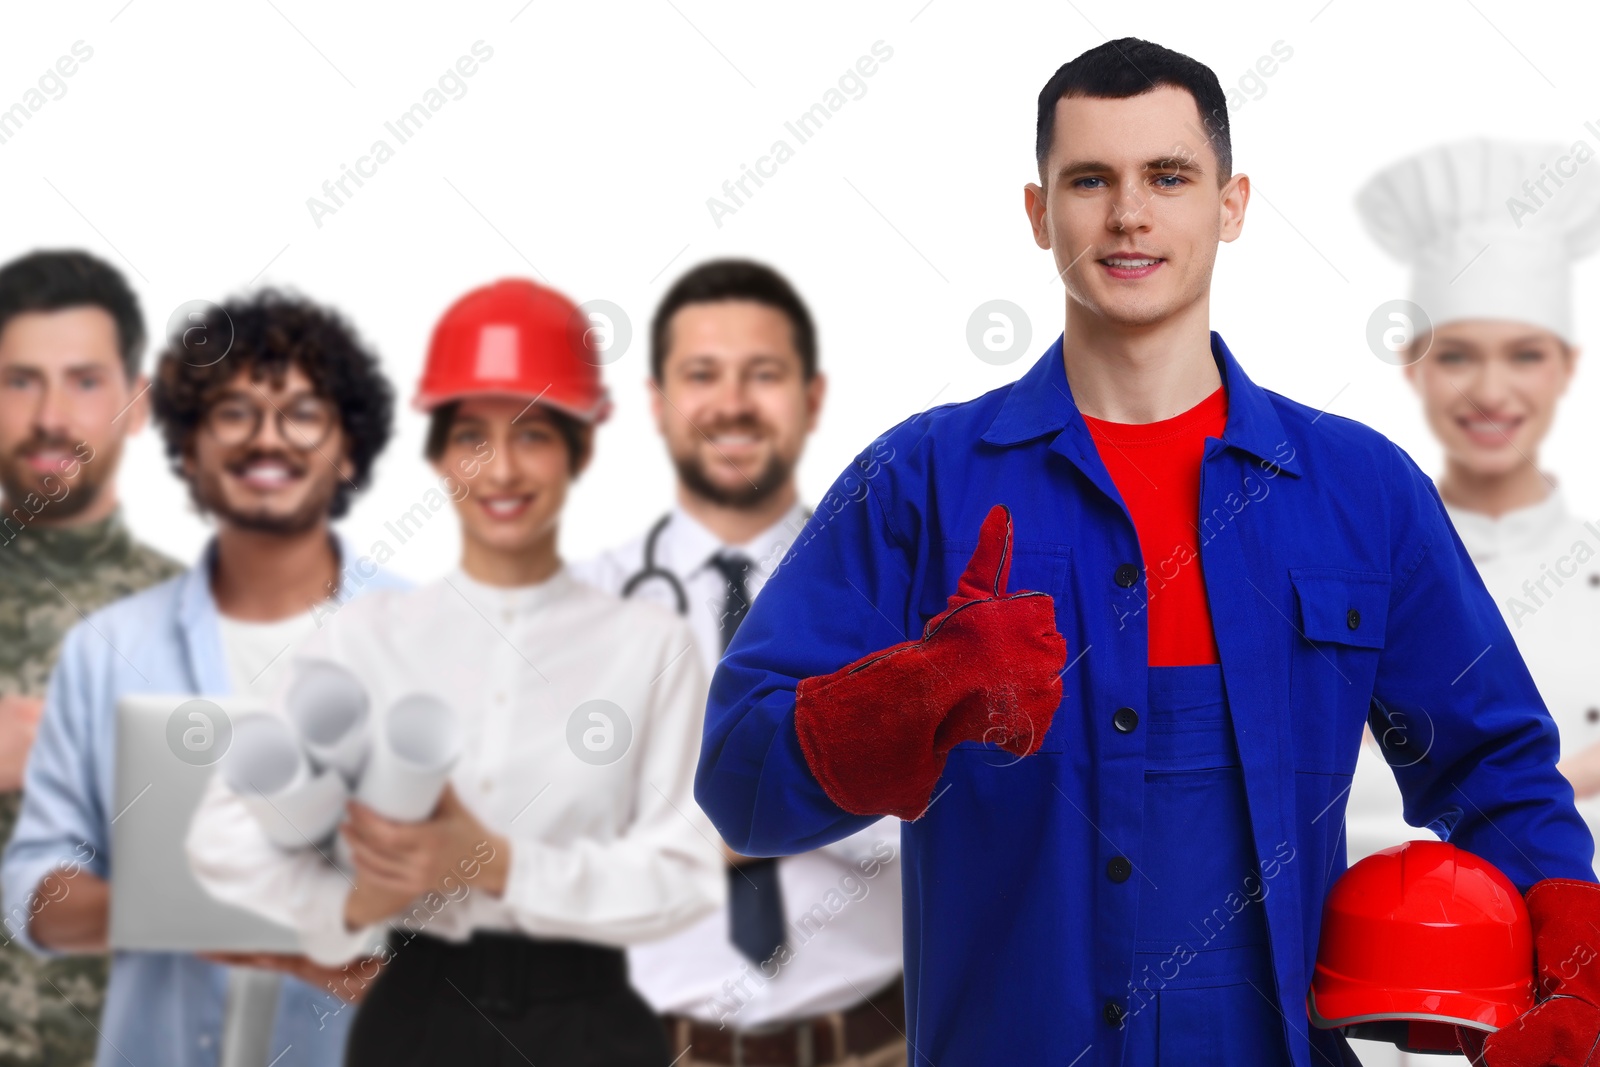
{"points": [[841, 902], [610, 853]]}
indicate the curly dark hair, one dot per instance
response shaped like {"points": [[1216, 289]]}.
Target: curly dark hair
{"points": [[272, 331]]}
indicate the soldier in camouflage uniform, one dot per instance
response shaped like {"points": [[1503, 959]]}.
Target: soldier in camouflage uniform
{"points": [[70, 340]]}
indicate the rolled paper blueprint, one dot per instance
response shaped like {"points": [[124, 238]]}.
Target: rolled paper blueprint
{"points": [[417, 746], [329, 705], [341, 854], [266, 767]]}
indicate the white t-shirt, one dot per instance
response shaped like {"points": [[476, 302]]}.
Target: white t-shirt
{"points": [[256, 652]]}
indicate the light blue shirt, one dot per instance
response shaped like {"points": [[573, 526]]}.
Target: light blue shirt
{"points": [[161, 1008]]}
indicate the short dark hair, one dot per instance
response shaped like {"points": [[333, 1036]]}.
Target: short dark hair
{"points": [[56, 280], [734, 279], [574, 432], [1127, 67], [273, 331]]}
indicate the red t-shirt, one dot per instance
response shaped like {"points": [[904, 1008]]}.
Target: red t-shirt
{"points": [[1156, 468]]}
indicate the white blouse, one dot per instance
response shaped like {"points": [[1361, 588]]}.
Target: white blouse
{"points": [[609, 852]]}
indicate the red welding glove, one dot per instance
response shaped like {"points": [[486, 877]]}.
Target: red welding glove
{"points": [[988, 668], [1563, 1029]]}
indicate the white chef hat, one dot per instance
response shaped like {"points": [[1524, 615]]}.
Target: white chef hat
{"points": [[1484, 238]]}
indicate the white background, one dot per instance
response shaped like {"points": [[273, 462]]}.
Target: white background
{"points": [[585, 150]]}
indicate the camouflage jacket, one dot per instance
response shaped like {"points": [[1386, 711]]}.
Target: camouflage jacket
{"points": [[49, 580]]}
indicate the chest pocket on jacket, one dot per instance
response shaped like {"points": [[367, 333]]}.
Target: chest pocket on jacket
{"points": [[1342, 607], [1341, 616]]}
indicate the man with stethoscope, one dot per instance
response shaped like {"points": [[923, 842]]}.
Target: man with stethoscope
{"points": [[803, 966]]}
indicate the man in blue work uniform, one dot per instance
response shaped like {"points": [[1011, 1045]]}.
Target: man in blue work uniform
{"points": [[1126, 784]]}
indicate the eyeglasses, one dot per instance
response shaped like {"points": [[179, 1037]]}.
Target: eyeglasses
{"points": [[304, 423]]}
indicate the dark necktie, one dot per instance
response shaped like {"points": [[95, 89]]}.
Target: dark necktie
{"points": [[755, 899], [735, 571]]}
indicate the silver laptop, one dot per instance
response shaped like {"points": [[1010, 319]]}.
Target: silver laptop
{"points": [[164, 761]]}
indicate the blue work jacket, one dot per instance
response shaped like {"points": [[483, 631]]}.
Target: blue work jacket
{"points": [[1339, 594]]}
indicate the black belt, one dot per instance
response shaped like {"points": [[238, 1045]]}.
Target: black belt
{"points": [[503, 973]]}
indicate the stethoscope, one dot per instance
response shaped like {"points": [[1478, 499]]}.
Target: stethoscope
{"points": [[652, 571]]}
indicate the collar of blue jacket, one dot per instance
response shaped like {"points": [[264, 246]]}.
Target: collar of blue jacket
{"points": [[1041, 404]]}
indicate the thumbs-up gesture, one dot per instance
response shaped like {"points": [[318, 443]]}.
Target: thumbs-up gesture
{"points": [[988, 668]]}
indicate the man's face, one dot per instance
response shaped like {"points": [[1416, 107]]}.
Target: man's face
{"points": [[508, 470], [65, 406], [733, 403], [1489, 390], [268, 456], [1131, 207]]}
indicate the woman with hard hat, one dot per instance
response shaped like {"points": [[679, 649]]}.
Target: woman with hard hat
{"points": [[1490, 230], [568, 826]]}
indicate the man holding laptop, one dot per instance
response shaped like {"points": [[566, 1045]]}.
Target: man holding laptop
{"points": [[275, 426]]}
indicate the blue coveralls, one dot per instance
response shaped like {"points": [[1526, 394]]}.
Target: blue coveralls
{"points": [[1203, 988], [1038, 890]]}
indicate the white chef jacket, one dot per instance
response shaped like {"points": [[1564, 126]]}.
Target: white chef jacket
{"points": [[841, 902], [608, 853]]}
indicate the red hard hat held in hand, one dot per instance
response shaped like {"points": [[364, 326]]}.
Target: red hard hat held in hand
{"points": [[1419, 940], [876, 732]]}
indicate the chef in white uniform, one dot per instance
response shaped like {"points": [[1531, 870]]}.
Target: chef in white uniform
{"points": [[1490, 230]]}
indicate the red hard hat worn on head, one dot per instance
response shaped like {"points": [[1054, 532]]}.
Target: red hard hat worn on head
{"points": [[515, 338], [1417, 939]]}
